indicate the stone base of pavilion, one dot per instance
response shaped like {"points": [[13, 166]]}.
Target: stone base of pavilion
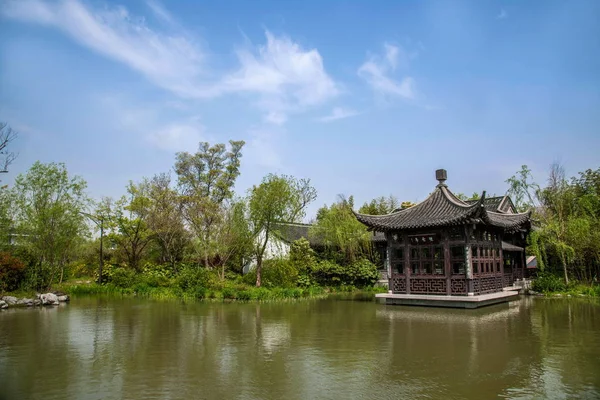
{"points": [[448, 301]]}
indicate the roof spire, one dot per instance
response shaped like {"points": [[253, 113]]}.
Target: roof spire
{"points": [[441, 175]]}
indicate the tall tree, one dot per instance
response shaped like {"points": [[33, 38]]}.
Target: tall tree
{"points": [[165, 218], [277, 199], [7, 135], [339, 230], [48, 205], [206, 180], [127, 221], [522, 190]]}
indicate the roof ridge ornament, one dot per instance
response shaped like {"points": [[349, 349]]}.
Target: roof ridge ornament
{"points": [[441, 175]]}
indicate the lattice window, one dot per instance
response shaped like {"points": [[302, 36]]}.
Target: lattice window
{"points": [[457, 259], [427, 260]]}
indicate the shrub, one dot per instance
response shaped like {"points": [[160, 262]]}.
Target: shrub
{"points": [[362, 273], [121, 277], [547, 282], [327, 273], [12, 272], [302, 256], [191, 278], [275, 273], [156, 275]]}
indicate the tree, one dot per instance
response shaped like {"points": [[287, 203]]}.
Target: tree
{"points": [[47, 207], [206, 181], [7, 135], [233, 238], [127, 220], [380, 206], [277, 199], [165, 218], [522, 190], [338, 229]]}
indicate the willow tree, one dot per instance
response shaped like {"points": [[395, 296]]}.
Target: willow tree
{"points": [[339, 230], [277, 199], [206, 180]]}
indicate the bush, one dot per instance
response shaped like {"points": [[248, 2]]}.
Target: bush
{"points": [[362, 273], [12, 272], [547, 282], [275, 273], [156, 275], [190, 278], [121, 277], [327, 273]]}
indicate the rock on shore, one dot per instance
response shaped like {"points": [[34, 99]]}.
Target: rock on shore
{"points": [[47, 299]]}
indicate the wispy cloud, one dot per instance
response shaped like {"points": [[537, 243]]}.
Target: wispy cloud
{"points": [[503, 14], [160, 12], [338, 113], [286, 77], [377, 69], [173, 62]]}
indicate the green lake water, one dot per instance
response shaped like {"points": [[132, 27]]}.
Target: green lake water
{"points": [[95, 348]]}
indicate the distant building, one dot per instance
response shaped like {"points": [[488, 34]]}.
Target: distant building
{"points": [[447, 246]]}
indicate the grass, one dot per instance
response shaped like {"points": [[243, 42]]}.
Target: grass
{"points": [[225, 291]]}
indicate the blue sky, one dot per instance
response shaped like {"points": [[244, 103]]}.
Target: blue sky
{"points": [[363, 98]]}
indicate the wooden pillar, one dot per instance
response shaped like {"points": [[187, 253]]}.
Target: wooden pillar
{"points": [[406, 260], [389, 239], [447, 262], [468, 261]]}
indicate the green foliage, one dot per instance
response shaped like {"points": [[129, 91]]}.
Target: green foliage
{"points": [[277, 199], [362, 273], [47, 207], [120, 276], [12, 272], [548, 282], [206, 180], [380, 206], [276, 273], [192, 278], [339, 230]]}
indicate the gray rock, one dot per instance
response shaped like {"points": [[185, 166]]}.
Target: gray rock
{"points": [[63, 298], [10, 299], [37, 302], [25, 302], [3, 304], [49, 299]]}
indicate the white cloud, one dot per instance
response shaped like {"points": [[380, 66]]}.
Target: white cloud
{"points": [[177, 137], [286, 77], [173, 62], [338, 113], [503, 14], [377, 69]]}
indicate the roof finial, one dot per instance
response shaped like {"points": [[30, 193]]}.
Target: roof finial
{"points": [[441, 175]]}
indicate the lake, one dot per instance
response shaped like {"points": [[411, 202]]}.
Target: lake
{"points": [[103, 348]]}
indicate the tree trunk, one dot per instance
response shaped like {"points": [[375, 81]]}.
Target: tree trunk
{"points": [[258, 270], [564, 264]]}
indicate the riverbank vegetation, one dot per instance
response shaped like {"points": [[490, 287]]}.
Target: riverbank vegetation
{"points": [[187, 236], [566, 229], [187, 233]]}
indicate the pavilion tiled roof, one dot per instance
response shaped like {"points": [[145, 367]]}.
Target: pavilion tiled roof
{"points": [[495, 204], [443, 208]]}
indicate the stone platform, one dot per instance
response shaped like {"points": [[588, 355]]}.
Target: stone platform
{"points": [[448, 301]]}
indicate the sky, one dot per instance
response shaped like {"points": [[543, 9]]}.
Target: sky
{"points": [[364, 98]]}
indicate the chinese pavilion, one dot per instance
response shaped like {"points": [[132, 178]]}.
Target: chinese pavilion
{"points": [[446, 246]]}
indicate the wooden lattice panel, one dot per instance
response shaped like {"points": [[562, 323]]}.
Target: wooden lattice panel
{"points": [[458, 286], [490, 284], [427, 286], [399, 284]]}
